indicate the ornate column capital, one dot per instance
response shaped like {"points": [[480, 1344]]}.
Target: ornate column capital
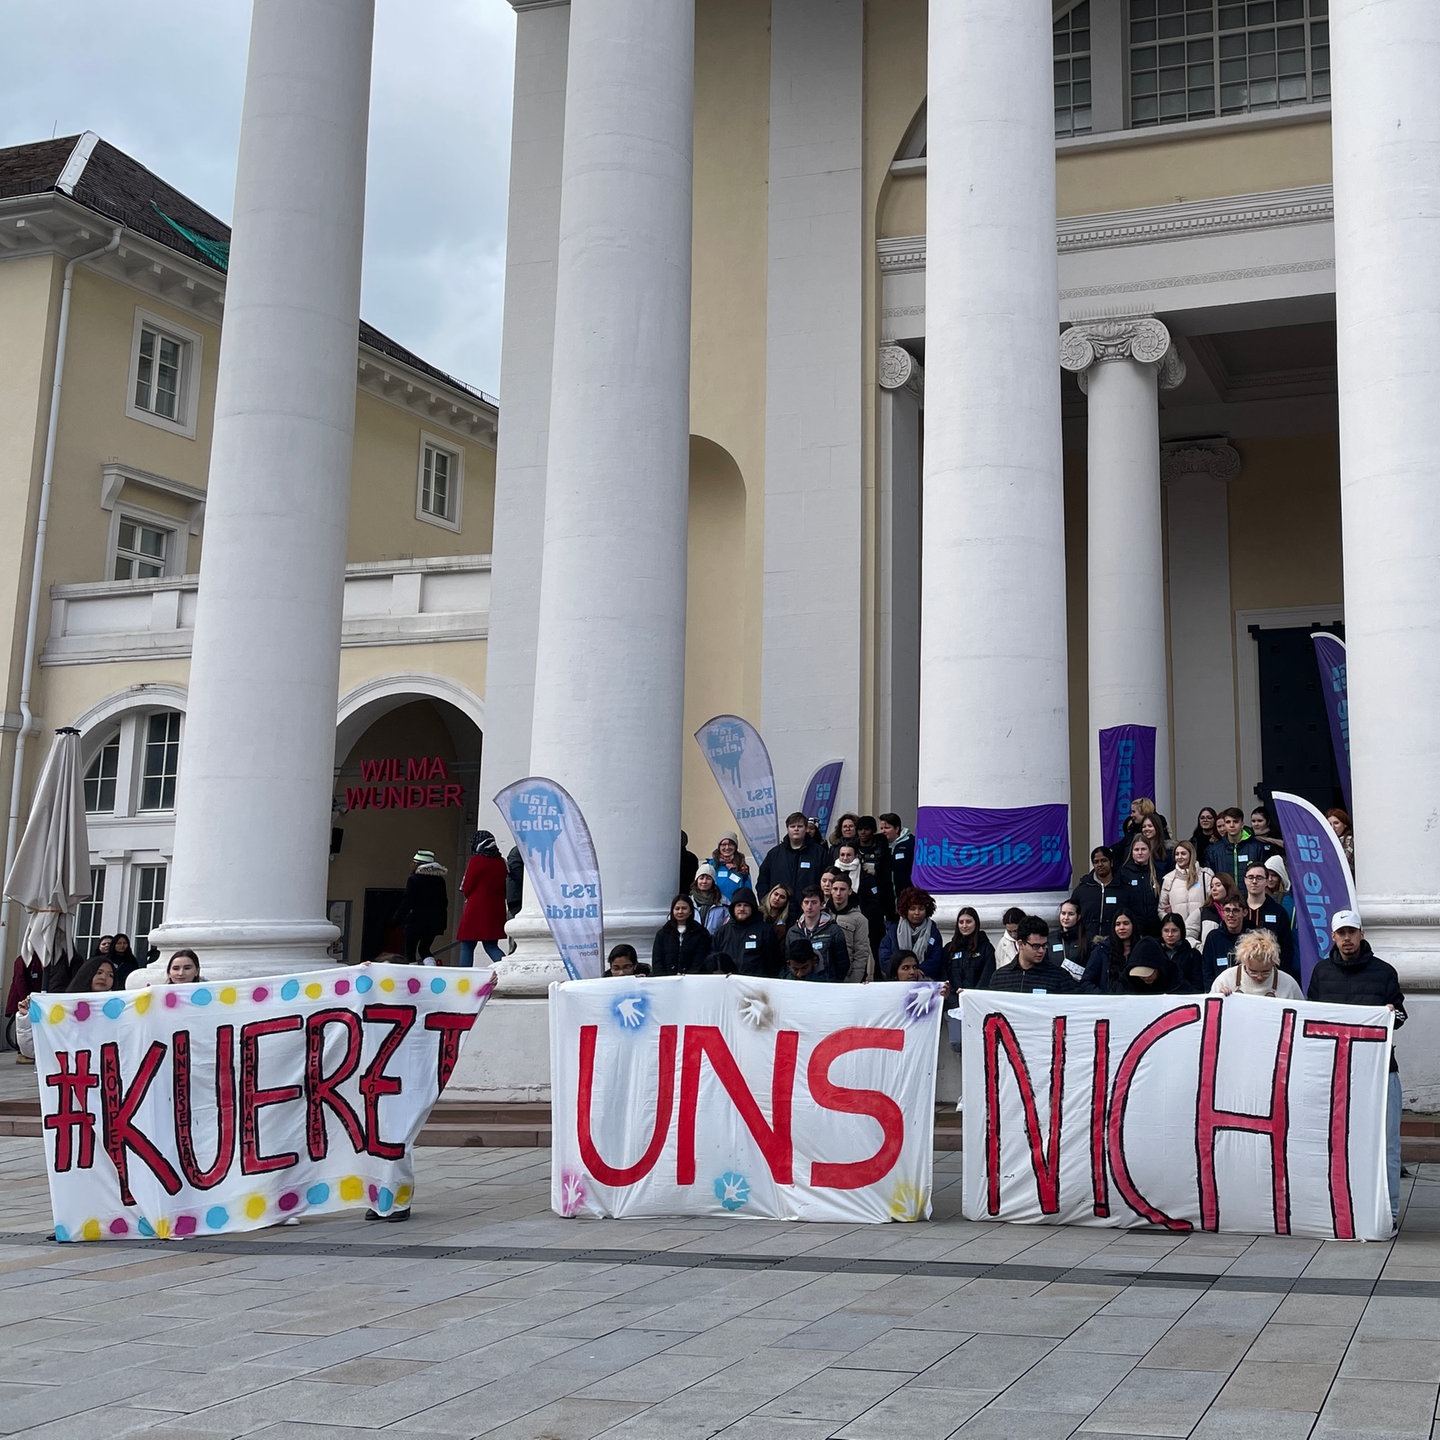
{"points": [[1141, 338], [900, 370], [1214, 459]]}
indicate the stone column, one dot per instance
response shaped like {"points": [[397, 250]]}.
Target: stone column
{"points": [[994, 728], [610, 655], [1196, 477], [247, 887], [1121, 363], [1387, 280], [526, 354]]}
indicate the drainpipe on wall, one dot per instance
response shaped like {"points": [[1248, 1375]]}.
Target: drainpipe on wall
{"points": [[32, 619]]}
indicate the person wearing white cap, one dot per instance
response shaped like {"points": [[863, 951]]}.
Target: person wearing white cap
{"points": [[1352, 974], [425, 910]]}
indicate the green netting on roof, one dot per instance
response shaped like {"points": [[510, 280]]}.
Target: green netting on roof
{"points": [[215, 250]]}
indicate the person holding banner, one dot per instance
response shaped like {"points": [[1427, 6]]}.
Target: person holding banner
{"points": [[1352, 974], [682, 945], [1129, 962], [183, 969]]}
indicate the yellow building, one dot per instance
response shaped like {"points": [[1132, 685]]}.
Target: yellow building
{"points": [[112, 449]]}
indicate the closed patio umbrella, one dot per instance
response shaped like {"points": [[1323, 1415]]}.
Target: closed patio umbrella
{"points": [[51, 872]]}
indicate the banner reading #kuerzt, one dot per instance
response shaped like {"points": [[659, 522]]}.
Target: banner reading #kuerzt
{"points": [[1189, 1112], [561, 868], [196, 1109], [741, 766], [731, 1095]]}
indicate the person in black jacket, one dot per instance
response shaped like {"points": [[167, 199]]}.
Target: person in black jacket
{"points": [[682, 944], [1139, 886], [1263, 913], [1218, 952], [1033, 972], [877, 879], [970, 955], [1184, 958], [795, 863], [1235, 848], [1352, 974], [514, 882], [745, 944], [425, 910], [1096, 895], [689, 864], [902, 850], [1068, 945]]}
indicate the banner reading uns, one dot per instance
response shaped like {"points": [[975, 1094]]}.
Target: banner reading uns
{"points": [[729, 1095]]}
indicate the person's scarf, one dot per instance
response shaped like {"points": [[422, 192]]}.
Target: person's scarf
{"points": [[1245, 985], [850, 871], [915, 940]]}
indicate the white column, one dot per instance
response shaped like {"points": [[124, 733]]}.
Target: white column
{"points": [[812, 643], [247, 887], [1386, 141], [994, 728], [1196, 480], [610, 656], [1121, 362], [526, 353]]}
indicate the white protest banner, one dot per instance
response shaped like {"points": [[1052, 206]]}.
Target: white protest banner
{"points": [[741, 766], [1195, 1113], [561, 867], [731, 1095], [191, 1109]]}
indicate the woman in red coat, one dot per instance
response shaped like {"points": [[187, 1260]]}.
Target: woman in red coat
{"points": [[482, 921]]}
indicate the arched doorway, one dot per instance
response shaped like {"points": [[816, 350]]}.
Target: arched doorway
{"points": [[407, 771]]}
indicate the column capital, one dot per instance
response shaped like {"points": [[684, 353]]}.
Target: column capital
{"points": [[1215, 459], [900, 370], [1141, 338]]}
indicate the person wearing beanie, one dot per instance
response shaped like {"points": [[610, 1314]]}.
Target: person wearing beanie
{"points": [[1277, 886], [705, 896], [728, 862], [746, 944], [425, 910]]}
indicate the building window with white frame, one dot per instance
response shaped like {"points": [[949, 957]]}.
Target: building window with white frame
{"points": [[149, 905], [161, 762], [1072, 71], [100, 778], [142, 550], [438, 487], [89, 916], [164, 374], [1196, 59]]}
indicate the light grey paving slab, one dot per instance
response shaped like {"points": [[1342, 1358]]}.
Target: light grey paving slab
{"points": [[905, 1350], [1073, 1379], [1106, 1334], [1321, 1310], [655, 1378], [995, 1424], [1155, 1301], [987, 1362], [1156, 1402], [842, 1330], [1253, 1425], [772, 1428], [916, 1414], [1199, 1347], [568, 1419], [1277, 1385], [1413, 1359], [1399, 1408], [1043, 1315], [1305, 1344], [834, 1395]]}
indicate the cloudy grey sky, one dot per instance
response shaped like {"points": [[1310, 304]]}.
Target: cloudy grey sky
{"points": [[164, 84]]}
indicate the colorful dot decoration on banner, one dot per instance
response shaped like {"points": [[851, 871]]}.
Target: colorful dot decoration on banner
{"points": [[176, 996], [349, 1190]]}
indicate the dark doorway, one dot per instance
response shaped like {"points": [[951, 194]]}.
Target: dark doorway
{"points": [[379, 933], [1295, 753]]}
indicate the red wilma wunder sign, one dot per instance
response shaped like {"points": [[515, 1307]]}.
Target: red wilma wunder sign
{"points": [[415, 782]]}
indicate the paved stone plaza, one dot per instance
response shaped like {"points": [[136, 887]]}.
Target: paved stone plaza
{"points": [[488, 1315]]}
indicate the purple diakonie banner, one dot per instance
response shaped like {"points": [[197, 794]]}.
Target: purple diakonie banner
{"points": [[961, 850], [1127, 772], [1320, 877], [820, 793], [1335, 686]]}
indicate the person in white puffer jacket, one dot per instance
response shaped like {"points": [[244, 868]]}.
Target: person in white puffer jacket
{"points": [[1185, 891]]}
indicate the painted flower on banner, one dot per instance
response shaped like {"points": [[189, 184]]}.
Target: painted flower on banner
{"points": [[921, 1001], [907, 1202], [732, 1190], [572, 1193], [631, 1011]]}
